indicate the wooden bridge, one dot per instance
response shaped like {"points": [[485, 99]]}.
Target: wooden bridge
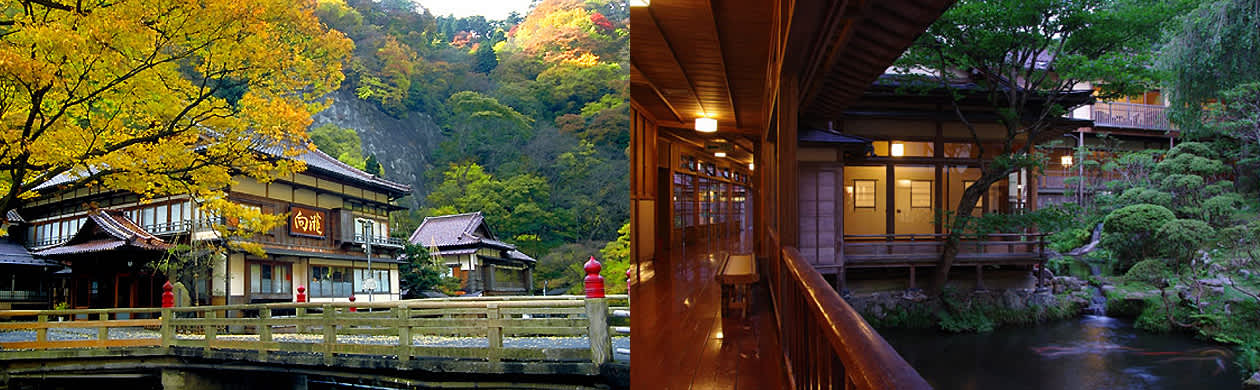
{"points": [[518, 337]]}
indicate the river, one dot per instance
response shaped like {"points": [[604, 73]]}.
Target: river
{"points": [[1093, 352]]}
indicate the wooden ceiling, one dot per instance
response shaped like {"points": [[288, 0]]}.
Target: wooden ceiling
{"points": [[714, 57]]}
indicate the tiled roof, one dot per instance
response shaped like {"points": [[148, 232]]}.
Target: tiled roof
{"points": [[517, 255], [448, 230], [314, 159], [457, 232], [106, 230], [15, 254], [322, 162]]}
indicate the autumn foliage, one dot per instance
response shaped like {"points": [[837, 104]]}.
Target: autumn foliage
{"points": [[157, 97]]}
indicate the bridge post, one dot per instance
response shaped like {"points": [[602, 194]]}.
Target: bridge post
{"points": [[403, 314], [264, 332], [597, 314], [301, 295], [330, 333], [352, 308], [298, 313], [211, 331], [168, 330], [494, 336]]}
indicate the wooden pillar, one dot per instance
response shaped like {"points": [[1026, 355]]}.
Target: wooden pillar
{"points": [[786, 158], [756, 189], [643, 200]]}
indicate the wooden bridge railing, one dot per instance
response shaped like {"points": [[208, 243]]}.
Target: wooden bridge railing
{"points": [[378, 328], [826, 343]]}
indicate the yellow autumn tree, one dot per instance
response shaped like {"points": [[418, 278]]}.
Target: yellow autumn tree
{"points": [[158, 97]]}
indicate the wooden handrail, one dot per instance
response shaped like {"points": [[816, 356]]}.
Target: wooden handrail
{"points": [[826, 342], [210, 327]]}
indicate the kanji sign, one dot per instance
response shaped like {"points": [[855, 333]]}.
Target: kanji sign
{"points": [[307, 222]]}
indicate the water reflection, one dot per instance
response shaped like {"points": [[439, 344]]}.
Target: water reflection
{"points": [[1090, 353]]}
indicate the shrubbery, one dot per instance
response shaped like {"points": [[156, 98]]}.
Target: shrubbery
{"points": [[1130, 231], [1181, 239], [1149, 271]]}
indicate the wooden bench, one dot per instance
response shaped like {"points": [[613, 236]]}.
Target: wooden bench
{"points": [[736, 275]]}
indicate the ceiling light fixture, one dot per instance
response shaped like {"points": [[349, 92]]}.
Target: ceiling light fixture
{"points": [[750, 166], [706, 125], [719, 154], [898, 149]]}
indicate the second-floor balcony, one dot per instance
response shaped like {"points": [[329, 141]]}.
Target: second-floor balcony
{"points": [[184, 226], [381, 241], [1130, 115]]}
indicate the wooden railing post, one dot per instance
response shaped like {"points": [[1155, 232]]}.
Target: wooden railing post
{"points": [[211, 330], [41, 333], [168, 330], [298, 313], [494, 335], [597, 330], [330, 332], [102, 333], [264, 332], [403, 313]]}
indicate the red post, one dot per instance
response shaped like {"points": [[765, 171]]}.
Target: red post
{"points": [[352, 308], [168, 297], [594, 282], [301, 297]]}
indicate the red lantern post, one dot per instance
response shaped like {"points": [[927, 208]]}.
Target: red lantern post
{"points": [[594, 282], [301, 296], [168, 297]]}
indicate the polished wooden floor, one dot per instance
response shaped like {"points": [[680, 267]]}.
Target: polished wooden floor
{"points": [[680, 339]]}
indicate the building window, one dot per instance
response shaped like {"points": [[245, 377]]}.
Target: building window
{"points": [[864, 194], [381, 276], [920, 194], [269, 278], [327, 282]]}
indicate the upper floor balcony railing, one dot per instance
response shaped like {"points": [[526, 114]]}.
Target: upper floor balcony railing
{"points": [[1129, 115], [184, 226], [382, 241]]}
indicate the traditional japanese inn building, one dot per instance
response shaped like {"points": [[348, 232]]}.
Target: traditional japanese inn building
{"points": [[336, 216], [469, 249]]}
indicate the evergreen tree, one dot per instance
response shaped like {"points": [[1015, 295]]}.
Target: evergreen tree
{"points": [[372, 166], [485, 57]]}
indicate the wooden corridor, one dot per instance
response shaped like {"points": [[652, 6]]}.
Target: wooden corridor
{"points": [[682, 341]]}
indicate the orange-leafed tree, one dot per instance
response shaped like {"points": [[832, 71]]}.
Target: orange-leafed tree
{"points": [[158, 97]]}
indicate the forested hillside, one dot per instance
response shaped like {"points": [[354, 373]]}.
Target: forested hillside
{"points": [[523, 118]]}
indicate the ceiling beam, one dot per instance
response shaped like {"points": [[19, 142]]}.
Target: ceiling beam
{"points": [[673, 55], [726, 74], [635, 72]]}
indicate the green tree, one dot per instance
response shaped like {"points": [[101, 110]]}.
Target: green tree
{"points": [[515, 207], [1027, 55], [372, 166], [421, 272], [1212, 49], [616, 260], [485, 57], [340, 142], [484, 130]]}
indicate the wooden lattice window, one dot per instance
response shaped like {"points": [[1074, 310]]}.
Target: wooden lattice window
{"points": [[864, 194], [920, 194]]}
